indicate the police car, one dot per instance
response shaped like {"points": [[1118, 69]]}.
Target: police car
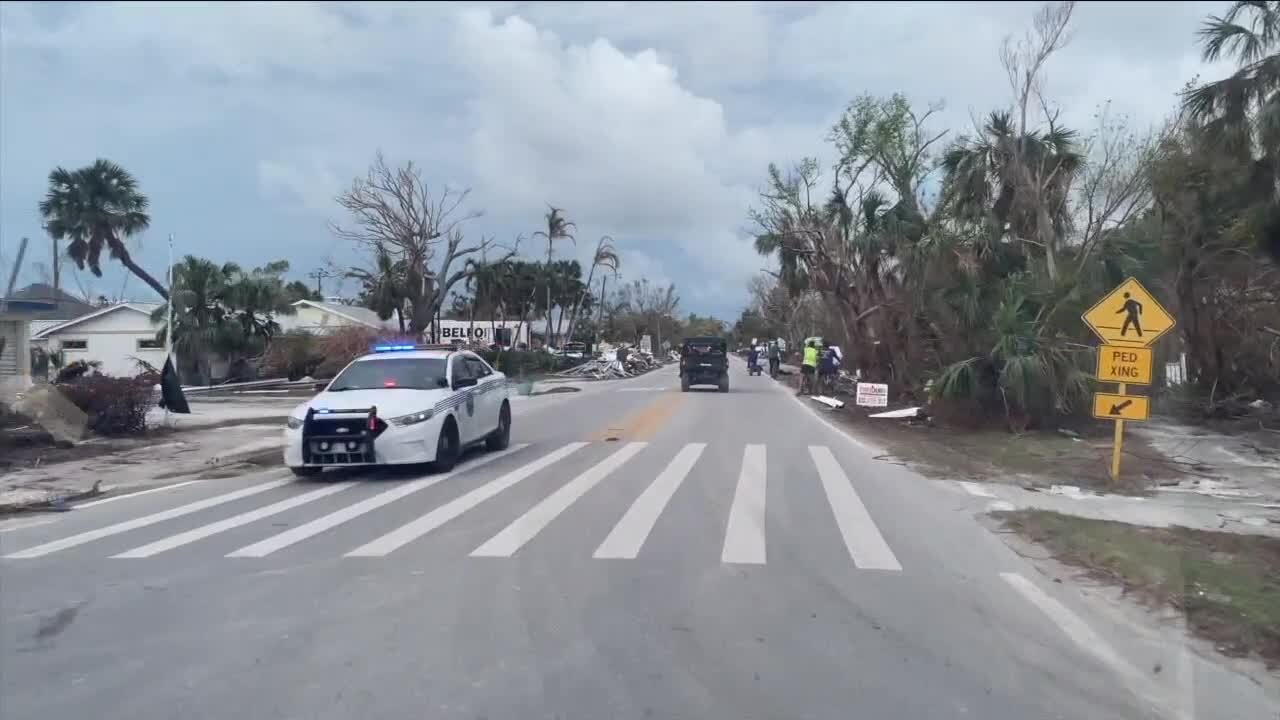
{"points": [[400, 405]]}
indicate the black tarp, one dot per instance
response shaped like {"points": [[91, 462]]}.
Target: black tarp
{"points": [[171, 397]]}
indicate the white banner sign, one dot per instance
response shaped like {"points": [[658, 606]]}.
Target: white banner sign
{"points": [[873, 395], [482, 332]]}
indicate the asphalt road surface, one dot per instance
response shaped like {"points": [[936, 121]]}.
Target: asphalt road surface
{"points": [[638, 553]]}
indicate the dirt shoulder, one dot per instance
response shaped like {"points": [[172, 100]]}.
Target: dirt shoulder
{"points": [[1224, 584], [1238, 458], [24, 448], [1080, 456]]}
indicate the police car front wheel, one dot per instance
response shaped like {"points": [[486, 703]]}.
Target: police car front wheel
{"points": [[500, 438], [447, 447]]}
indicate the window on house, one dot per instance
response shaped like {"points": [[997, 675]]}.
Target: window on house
{"points": [[75, 344], [151, 344]]}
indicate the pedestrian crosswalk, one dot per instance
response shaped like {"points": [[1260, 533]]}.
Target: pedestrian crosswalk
{"points": [[642, 481]]}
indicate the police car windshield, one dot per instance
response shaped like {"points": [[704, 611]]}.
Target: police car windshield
{"points": [[392, 373]]}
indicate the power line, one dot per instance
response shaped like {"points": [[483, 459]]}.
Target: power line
{"points": [[319, 274]]}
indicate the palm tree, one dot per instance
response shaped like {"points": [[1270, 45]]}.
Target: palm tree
{"points": [[199, 312], [255, 299], [1251, 32], [1015, 184], [558, 228], [606, 256], [485, 283], [385, 286], [520, 285], [1243, 110], [567, 287], [96, 207]]}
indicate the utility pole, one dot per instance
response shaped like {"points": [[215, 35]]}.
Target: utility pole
{"points": [[318, 275], [13, 277], [600, 322], [57, 275]]}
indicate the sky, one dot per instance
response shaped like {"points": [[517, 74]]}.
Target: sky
{"points": [[651, 123]]}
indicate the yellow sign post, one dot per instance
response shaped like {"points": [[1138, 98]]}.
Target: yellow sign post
{"points": [[1129, 320]]}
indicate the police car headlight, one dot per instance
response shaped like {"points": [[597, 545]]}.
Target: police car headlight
{"points": [[294, 423], [412, 418]]}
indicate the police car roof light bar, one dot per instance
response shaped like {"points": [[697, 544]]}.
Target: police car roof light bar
{"points": [[392, 348]]}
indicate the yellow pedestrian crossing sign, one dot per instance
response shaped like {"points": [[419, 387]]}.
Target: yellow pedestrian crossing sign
{"points": [[1129, 315]]}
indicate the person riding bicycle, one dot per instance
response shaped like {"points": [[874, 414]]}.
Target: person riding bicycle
{"points": [[753, 359]]}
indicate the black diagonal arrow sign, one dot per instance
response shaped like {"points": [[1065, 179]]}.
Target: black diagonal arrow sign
{"points": [[1119, 407]]}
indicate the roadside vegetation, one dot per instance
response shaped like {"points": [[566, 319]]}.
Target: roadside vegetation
{"points": [[954, 264], [1224, 584]]}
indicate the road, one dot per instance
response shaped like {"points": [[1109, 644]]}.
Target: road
{"points": [[640, 553]]}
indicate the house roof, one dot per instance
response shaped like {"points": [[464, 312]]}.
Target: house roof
{"points": [[23, 310], [354, 313], [144, 308], [62, 305]]}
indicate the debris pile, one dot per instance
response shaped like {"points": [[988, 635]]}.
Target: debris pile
{"points": [[608, 366]]}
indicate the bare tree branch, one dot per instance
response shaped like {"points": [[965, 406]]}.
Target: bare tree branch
{"points": [[395, 209]]}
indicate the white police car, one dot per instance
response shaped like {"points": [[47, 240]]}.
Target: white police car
{"points": [[401, 404]]}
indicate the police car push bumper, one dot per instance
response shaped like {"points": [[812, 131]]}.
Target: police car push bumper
{"points": [[344, 437]]}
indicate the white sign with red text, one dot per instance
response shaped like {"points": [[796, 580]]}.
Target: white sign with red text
{"points": [[873, 395]]}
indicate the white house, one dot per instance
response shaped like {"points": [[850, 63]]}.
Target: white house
{"points": [[320, 318], [117, 336]]}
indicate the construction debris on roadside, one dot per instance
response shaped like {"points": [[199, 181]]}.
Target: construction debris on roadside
{"points": [[614, 364], [828, 401]]}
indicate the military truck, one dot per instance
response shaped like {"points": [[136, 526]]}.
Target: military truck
{"points": [[704, 361]]}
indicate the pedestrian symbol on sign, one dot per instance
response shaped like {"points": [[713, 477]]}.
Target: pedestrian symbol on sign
{"points": [[1133, 310]]}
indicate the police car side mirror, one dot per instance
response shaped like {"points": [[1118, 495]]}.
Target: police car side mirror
{"points": [[319, 387], [463, 382]]}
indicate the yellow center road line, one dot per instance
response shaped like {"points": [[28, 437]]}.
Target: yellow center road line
{"points": [[644, 423]]}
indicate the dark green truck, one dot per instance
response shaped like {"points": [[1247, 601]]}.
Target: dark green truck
{"points": [[704, 361]]}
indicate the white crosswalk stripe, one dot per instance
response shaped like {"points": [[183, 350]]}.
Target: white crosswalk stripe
{"points": [[525, 527], [861, 537], [744, 523], [408, 533], [351, 512], [631, 531], [744, 535], [245, 518], [152, 519]]}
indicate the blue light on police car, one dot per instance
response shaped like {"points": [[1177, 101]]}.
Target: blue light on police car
{"points": [[391, 348]]}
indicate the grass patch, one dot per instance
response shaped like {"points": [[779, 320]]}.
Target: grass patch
{"points": [[1227, 585]]}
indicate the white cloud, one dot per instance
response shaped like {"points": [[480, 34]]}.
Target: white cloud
{"points": [[313, 186], [613, 137], [650, 123]]}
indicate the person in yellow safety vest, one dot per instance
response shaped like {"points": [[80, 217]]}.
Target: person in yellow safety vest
{"points": [[809, 367]]}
